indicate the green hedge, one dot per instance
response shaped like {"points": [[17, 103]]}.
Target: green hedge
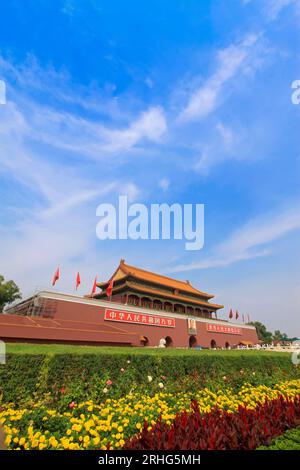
{"points": [[290, 440], [42, 377]]}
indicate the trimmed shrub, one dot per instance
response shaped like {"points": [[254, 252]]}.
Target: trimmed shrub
{"points": [[83, 376]]}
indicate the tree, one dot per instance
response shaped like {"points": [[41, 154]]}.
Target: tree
{"points": [[265, 335], [277, 336], [9, 292], [262, 333]]}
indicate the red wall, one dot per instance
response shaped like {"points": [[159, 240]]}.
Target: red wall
{"points": [[83, 323]]}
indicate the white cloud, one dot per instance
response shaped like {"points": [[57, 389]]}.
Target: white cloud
{"points": [[77, 199], [57, 226], [29, 77], [224, 145], [149, 82], [61, 125], [251, 241], [230, 62], [86, 137], [205, 161], [274, 7], [150, 125], [131, 191], [226, 134], [164, 184]]}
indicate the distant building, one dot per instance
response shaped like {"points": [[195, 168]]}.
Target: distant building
{"points": [[144, 309]]}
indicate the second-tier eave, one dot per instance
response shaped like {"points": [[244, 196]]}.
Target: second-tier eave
{"points": [[133, 287]]}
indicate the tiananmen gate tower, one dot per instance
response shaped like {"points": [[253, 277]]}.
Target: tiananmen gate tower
{"points": [[142, 309]]}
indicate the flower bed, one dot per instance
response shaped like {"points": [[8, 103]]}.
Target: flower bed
{"points": [[246, 429], [90, 425]]}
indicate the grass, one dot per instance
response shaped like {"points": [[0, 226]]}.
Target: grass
{"points": [[36, 349]]}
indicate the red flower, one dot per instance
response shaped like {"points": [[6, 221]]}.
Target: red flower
{"points": [[109, 382], [72, 405], [246, 429]]}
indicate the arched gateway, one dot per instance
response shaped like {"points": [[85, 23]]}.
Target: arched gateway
{"points": [[192, 341]]}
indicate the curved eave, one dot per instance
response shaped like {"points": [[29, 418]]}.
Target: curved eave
{"points": [[104, 285], [166, 295], [130, 271]]}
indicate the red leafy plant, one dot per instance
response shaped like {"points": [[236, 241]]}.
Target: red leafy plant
{"points": [[245, 429]]}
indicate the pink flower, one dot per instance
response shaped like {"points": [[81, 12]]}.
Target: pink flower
{"points": [[72, 405], [163, 377], [122, 370], [108, 382]]}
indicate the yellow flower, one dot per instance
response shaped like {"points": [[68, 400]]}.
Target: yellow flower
{"points": [[77, 427], [53, 442]]}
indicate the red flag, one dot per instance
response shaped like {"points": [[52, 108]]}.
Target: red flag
{"points": [[94, 286], [236, 315], [110, 288], [78, 281], [230, 313], [55, 277]]}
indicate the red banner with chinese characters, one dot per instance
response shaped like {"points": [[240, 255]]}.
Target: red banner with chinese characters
{"points": [[130, 317], [232, 330]]}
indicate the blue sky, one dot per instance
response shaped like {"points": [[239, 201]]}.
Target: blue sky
{"points": [[181, 101]]}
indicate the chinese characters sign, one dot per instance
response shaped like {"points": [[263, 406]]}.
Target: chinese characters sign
{"points": [[233, 330], [129, 317]]}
